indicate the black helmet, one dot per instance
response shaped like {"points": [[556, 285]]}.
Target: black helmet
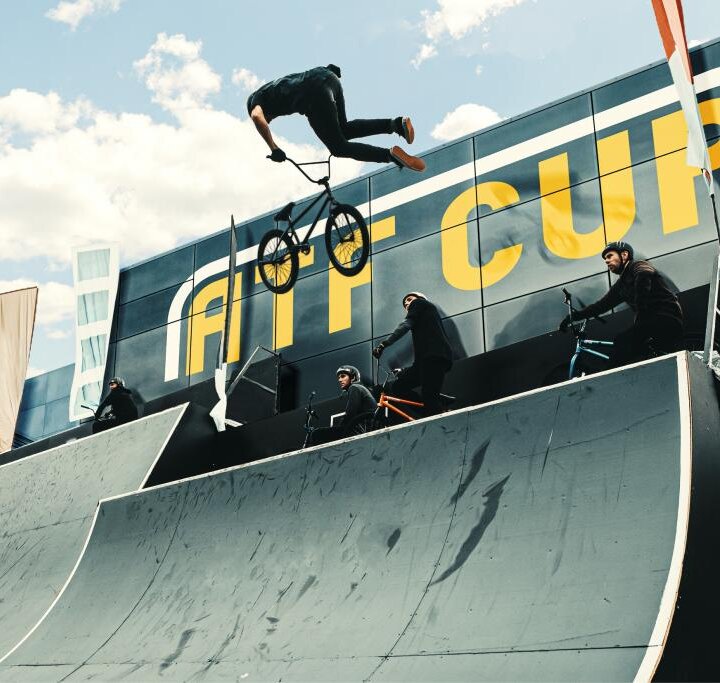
{"points": [[419, 295], [335, 69], [618, 247], [117, 380], [350, 370]]}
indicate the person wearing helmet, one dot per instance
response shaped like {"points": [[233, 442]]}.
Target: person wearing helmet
{"points": [[360, 404], [116, 408], [658, 325], [431, 349], [318, 95]]}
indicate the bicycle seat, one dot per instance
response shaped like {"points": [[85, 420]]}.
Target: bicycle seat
{"points": [[284, 213]]}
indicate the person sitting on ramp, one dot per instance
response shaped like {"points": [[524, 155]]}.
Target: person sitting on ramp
{"points": [[318, 95], [117, 408], [359, 408], [658, 325], [431, 348]]}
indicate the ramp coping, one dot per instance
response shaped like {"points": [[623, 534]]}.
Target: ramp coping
{"points": [[680, 355], [92, 436]]}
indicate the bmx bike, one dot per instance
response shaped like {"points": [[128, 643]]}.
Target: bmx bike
{"points": [[388, 403], [347, 239], [583, 345]]}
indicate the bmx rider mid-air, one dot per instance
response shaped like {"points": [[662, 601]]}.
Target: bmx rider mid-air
{"points": [[318, 95]]}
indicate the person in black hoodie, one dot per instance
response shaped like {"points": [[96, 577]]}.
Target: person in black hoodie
{"points": [[360, 406], [658, 326], [318, 95], [117, 408], [431, 348]]}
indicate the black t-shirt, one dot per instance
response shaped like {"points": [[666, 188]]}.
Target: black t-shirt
{"points": [[291, 94]]}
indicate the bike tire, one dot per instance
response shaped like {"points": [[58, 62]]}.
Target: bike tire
{"points": [[278, 261], [347, 239]]}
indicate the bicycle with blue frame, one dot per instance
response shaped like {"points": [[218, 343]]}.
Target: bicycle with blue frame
{"points": [[583, 345], [347, 239]]}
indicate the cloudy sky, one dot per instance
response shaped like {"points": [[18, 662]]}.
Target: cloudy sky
{"points": [[125, 120]]}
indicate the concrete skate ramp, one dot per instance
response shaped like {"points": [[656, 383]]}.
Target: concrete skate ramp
{"points": [[47, 505], [538, 538]]}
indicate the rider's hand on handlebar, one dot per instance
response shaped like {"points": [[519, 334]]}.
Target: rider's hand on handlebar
{"points": [[377, 351], [277, 155], [564, 323]]}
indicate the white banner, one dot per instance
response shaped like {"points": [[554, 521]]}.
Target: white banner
{"points": [[96, 272]]}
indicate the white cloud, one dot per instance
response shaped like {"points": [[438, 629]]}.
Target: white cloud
{"points": [[695, 42], [56, 301], [467, 118], [83, 173], [246, 79], [58, 334], [478, 70], [73, 12], [455, 19], [176, 74]]}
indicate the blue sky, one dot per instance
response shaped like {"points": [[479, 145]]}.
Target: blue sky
{"points": [[124, 119]]}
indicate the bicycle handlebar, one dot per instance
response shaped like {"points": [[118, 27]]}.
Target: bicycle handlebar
{"points": [[299, 166]]}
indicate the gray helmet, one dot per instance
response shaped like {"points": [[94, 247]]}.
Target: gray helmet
{"points": [[350, 370], [618, 247], [419, 295], [117, 380]]}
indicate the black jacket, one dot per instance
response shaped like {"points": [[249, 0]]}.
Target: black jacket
{"points": [[291, 94], [121, 405], [644, 289], [428, 334], [359, 400]]}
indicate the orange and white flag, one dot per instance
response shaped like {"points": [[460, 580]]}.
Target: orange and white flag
{"points": [[670, 21]]}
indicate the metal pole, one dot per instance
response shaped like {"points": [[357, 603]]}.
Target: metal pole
{"points": [[712, 309]]}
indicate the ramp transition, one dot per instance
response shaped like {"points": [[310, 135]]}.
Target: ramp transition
{"points": [[537, 538], [47, 506]]}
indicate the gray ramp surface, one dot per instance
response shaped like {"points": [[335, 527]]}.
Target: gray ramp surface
{"points": [[47, 505], [530, 539]]}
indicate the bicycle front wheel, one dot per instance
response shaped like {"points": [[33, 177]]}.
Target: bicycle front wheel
{"points": [[278, 262], [347, 239]]}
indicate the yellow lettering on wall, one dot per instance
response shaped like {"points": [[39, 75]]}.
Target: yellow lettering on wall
{"points": [[617, 196], [457, 269], [284, 307], [676, 180], [676, 184], [340, 287], [202, 325]]}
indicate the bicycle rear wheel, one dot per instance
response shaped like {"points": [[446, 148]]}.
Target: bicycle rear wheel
{"points": [[347, 239], [278, 262]]}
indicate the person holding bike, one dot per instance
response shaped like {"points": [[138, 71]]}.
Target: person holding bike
{"points": [[117, 407], [318, 95], [658, 325], [431, 349], [359, 408]]}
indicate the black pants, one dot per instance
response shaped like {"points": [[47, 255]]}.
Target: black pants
{"points": [[102, 425], [329, 121], [428, 374], [652, 335]]}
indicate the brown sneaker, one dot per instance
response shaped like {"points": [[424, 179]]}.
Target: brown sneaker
{"points": [[408, 132], [405, 160]]}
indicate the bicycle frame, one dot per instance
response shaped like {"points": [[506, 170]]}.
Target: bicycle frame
{"points": [[386, 400], [327, 200], [581, 343], [581, 346]]}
